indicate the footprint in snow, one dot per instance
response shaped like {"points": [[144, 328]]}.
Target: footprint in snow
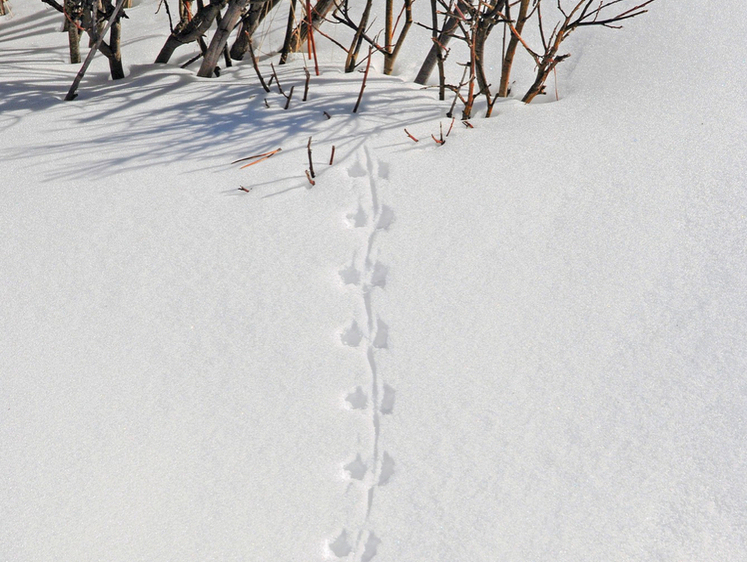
{"points": [[357, 399], [387, 401], [340, 547], [356, 469], [357, 170], [350, 275], [378, 277], [357, 218], [386, 218], [381, 341], [352, 335], [387, 469], [372, 544]]}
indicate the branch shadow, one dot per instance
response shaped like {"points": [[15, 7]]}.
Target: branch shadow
{"points": [[161, 115]]}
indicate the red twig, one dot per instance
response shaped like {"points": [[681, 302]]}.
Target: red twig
{"points": [[312, 44], [450, 126], [409, 135], [308, 177], [262, 159]]}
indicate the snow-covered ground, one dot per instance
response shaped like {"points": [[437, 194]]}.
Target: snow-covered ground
{"points": [[526, 344]]}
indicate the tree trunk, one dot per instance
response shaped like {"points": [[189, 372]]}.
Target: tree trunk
{"points": [[191, 31], [486, 21], [288, 32], [227, 23], [72, 92], [301, 34], [392, 50], [355, 46], [437, 49], [513, 43], [249, 24], [115, 59], [73, 39]]}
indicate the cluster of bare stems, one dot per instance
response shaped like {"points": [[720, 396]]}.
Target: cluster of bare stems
{"points": [[472, 21], [468, 21], [92, 17]]}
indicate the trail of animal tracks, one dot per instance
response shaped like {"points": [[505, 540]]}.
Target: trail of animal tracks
{"points": [[524, 344]]}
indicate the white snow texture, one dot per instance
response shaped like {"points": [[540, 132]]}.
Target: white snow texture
{"points": [[527, 344]]}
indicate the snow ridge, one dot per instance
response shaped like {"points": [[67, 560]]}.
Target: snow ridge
{"points": [[367, 276]]}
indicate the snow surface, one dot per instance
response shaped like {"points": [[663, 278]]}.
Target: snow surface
{"points": [[527, 344]]}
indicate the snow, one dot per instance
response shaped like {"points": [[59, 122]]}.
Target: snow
{"points": [[526, 344]]}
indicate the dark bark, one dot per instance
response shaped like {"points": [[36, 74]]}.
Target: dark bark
{"points": [[72, 92], [301, 34], [249, 24], [191, 31], [439, 45], [54, 4], [355, 46], [288, 33], [115, 59], [226, 25]]}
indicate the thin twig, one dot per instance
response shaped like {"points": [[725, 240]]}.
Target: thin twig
{"points": [[308, 177], [288, 97], [311, 163], [256, 67], [260, 160], [365, 77], [306, 85], [270, 153]]}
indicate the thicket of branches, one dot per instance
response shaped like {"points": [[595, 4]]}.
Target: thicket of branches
{"points": [[536, 27]]}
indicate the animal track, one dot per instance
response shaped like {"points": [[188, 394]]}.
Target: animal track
{"points": [[387, 401], [352, 336], [381, 341], [356, 468], [357, 399], [341, 546], [387, 469], [357, 218], [386, 218], [378, 277], [357, 170], [372, 544], [350, 275], [366, 272]]}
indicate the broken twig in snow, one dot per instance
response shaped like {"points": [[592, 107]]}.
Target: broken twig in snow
{"points": [[311, 164], [261, 158]]}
